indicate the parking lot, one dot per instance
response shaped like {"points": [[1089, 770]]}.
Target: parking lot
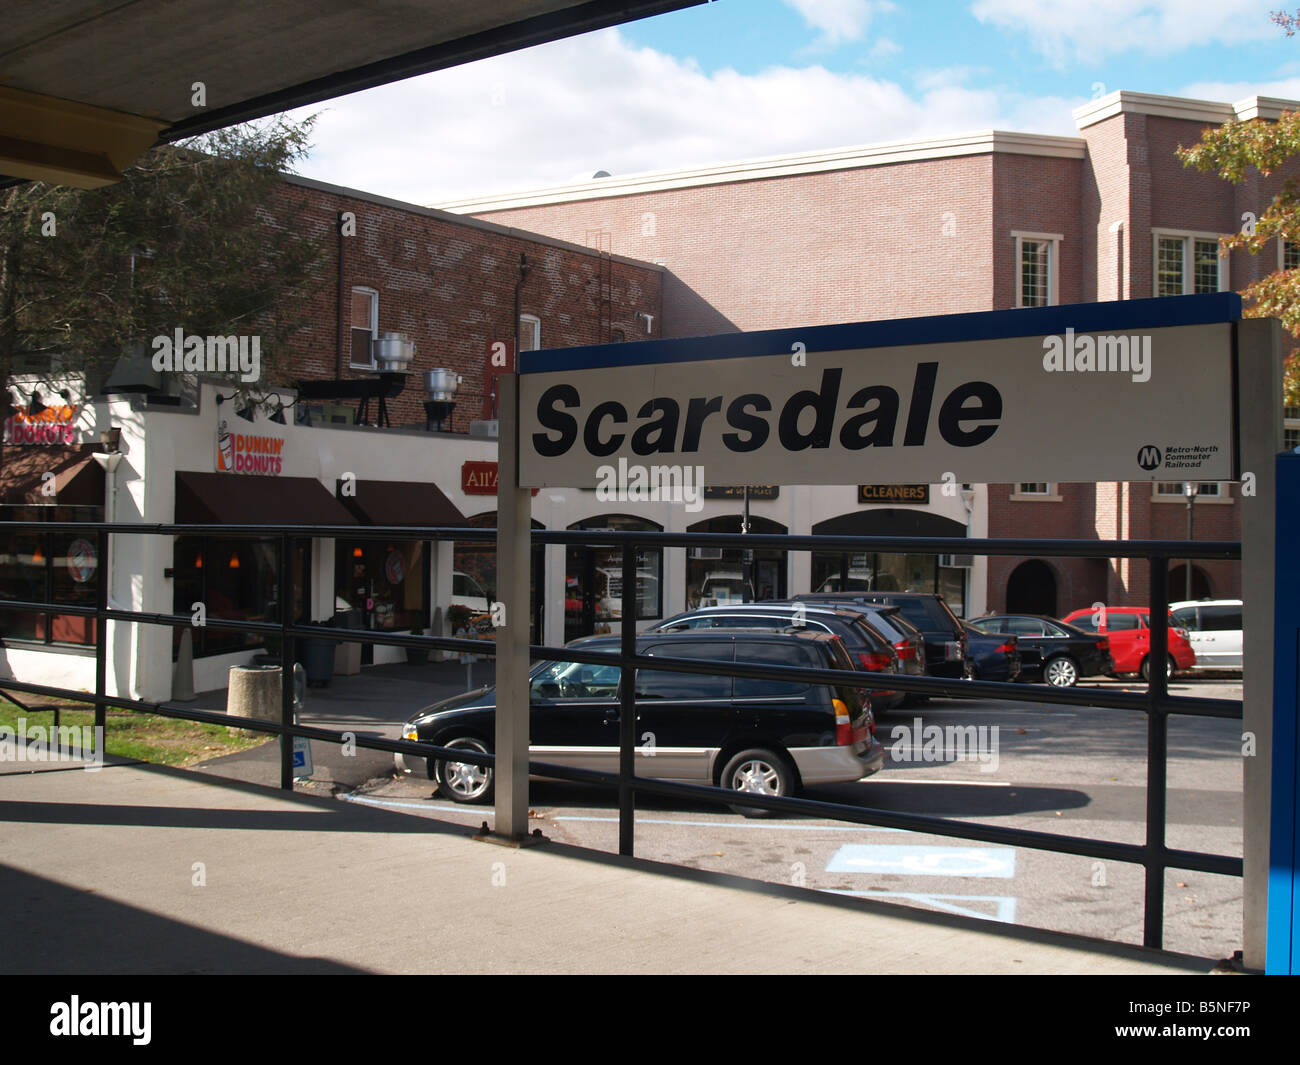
{"points": [[1070, 770]]}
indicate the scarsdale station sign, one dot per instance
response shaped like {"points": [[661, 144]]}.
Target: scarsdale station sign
{"points": [[1138, 390]]}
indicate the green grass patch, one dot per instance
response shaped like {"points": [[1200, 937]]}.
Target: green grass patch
{"points": [[148, 737]]}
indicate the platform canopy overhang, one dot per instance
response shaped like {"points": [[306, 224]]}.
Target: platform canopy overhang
{"points": [[87, 86]]}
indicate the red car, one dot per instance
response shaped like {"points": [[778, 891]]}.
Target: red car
{"points": [[1129, 630]]}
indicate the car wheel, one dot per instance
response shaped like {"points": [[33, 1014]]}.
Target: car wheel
{"points": [[461, 781], [761, 772], [1061, 672], [1146, 669]]}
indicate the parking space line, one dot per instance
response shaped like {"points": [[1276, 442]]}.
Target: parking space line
{"points": [[932, 780], [739, 824], [1006, 904], [887, 859]]}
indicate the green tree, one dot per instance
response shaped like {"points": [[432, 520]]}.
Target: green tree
{"points": [[198, 236], [1232, 151]]}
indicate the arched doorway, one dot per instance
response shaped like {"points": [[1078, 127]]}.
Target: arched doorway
{"points": [[890, 571], [593, 579], [726, 573], [1178, 583], [1031, 589]]}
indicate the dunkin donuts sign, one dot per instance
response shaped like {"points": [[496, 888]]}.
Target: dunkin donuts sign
{"points": [[248, 452], [54, 425]]}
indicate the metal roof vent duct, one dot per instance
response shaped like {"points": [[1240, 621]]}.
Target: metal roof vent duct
{"points": [[442, 386], [394, 352]]}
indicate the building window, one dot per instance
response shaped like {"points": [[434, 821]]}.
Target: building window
{"points": [[1036, 269], [364, 322], [1189, 263], [530, 332], [1035, 491], [49, 567], [1171, 490], [1288, 254]]}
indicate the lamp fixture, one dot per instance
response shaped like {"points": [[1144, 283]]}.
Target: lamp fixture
{"points": [[234, 562]]}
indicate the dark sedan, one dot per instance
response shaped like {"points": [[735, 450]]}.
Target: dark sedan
{"points": [[1051, 650], [993, 656]]}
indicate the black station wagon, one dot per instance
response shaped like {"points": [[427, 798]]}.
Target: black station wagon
{"points": [[765, 736]]}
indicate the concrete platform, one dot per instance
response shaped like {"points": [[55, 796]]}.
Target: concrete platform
{"points": [[142, 869]]}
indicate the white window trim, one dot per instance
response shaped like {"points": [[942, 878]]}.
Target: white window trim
{"points": [[537, 322], [373, 293], [1053, 263], [1281, 252], [1224, 498], [1052, 495], [1189, 267]]}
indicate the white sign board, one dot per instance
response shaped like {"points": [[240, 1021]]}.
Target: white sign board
{"points": [[1149, 403]]}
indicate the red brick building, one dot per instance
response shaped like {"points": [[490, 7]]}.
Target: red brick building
{"points": [[454, 286], [986, 221]]}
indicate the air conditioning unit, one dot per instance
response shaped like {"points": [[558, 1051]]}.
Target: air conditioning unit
{"points": [[956, 561], [712, 554]]}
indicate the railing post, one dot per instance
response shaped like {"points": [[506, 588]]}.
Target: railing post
{"points": [[1157, 752], [101, 635], [286, 663], [627, 707]]}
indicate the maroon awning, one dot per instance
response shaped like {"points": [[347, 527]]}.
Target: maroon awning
{"points": [[78, 478], [400, 503], [248, 499]]}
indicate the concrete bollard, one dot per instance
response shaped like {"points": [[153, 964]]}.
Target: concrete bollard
{"points": [[183, 671], [254, 692]]}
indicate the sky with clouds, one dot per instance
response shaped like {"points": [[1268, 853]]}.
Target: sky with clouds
{"points": [[737, 79]]}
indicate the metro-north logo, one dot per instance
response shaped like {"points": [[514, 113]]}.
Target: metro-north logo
{"points": [[1149, 457]]}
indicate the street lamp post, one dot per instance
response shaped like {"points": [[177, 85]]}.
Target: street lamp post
{"points": [[1189, 490]]}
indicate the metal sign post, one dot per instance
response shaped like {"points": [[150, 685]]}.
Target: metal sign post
{"points": [[514, 528]]}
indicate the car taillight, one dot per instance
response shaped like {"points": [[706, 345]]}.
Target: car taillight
{"points": [[905, 650], [843, 723], [1007, 648], [1103, 644], [875, 661], [1182, 633]]}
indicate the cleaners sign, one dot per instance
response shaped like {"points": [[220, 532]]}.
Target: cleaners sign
{"points": [[1138, 390]]}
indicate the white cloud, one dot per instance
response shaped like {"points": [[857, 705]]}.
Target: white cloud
{"points": [[562, 111], [840, 20], [1230, 92], [1095, 29]]}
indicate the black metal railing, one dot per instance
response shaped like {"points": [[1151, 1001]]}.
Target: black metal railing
{"points": [[1154, 855]]}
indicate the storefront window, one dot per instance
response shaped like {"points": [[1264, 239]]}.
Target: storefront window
{"points": [[884, 572], [474, 574], [385, 580], [49, 567], [593, 596], [721, 575], [234, 580]]}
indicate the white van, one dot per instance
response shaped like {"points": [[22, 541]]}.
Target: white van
{"points": [[1213, 629]]}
